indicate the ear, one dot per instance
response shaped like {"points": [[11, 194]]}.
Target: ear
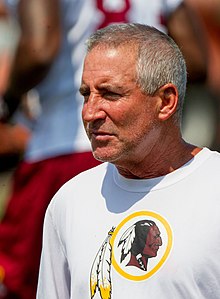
{"points": [[168, 101]]}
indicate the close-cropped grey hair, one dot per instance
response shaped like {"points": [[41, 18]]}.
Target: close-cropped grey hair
{"points": [[159, 59]]}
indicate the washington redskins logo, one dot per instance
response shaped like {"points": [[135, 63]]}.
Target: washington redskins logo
{"points": [[136, 249]]}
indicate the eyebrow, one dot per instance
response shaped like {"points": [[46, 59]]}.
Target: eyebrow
{"points": [[83, 88], [103, 86], [107, 86]]}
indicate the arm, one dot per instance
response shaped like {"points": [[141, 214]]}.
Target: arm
{"points": [[14, 139], [210, 10], [208, 14], [189, 36], [39, 44], [7, 46]]}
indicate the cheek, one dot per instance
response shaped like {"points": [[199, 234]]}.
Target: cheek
{"points": [[84, 122], [129, 117], [138, 123], [83, 112]]}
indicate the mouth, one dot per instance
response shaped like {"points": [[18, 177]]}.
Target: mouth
{"points": [[155, 248], [100, 135]]}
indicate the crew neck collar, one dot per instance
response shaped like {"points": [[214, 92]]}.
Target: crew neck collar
{"points": [[143, 185]]}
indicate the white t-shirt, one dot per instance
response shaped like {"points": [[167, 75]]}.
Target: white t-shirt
{"points": [[98, 220]]}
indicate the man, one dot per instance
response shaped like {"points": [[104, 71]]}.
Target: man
{"points": [[49, 62], [133, 84]]}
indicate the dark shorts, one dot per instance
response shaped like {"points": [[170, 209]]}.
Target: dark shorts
{"points": [[34, 184]]}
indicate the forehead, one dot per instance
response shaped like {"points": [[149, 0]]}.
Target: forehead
{"points": [[109, 63], [154, 229]]}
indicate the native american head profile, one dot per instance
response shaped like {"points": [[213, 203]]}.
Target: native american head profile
{"points": [[140, 242]]}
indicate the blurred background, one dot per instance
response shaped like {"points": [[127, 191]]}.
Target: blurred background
{"points": [[41, 53]]}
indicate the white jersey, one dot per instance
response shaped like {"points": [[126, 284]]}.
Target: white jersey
{"points": [[96, 235]]}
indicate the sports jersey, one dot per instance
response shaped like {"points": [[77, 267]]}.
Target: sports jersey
{"points": [[106, 236]]}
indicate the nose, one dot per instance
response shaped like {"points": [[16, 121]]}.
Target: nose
{"points": [[93, 109], [160, 243]]}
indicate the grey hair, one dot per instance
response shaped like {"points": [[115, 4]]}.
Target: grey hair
{"points": [[159, 59]]}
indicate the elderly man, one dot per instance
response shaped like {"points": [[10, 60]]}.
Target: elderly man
{"points": [[133, 85]]}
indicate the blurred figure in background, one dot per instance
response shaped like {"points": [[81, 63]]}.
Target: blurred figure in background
{"points": [[196, 30], [206, 16], [9, 36], [47, 72], [13, 138], [42, 61]]}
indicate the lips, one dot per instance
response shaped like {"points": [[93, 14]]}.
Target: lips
{"points": [[102, 136], [99, 134]]}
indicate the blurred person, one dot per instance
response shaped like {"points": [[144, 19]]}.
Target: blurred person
{"points": [[96, 240], [13, 138], [197, 127], [206, 16], [43, 61], [47, 69], [182, 28], [9, 36], [198, 37]]}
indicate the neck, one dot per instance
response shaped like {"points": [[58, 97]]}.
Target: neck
{"points": [[160, 160], [139, 261]]}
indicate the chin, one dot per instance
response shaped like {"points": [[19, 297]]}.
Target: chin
{"points": [[105, 156]]}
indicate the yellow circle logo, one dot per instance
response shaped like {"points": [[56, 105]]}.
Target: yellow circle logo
{"points": [[141, 244]]}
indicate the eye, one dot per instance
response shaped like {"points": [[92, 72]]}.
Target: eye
{"points": [[85, 94], [110, 95], [157, 236]]}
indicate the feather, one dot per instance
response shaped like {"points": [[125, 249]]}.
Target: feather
{"points": [[104, 273], [100, 275], [127, 240], [94, 274]]}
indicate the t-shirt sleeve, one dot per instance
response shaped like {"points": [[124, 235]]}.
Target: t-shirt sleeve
{"points": [[54, 275]]}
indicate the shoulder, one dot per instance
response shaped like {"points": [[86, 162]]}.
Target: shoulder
{"points": [[90, 176], [211, 159], [80, 194], [80, 186], [208, 171]]}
